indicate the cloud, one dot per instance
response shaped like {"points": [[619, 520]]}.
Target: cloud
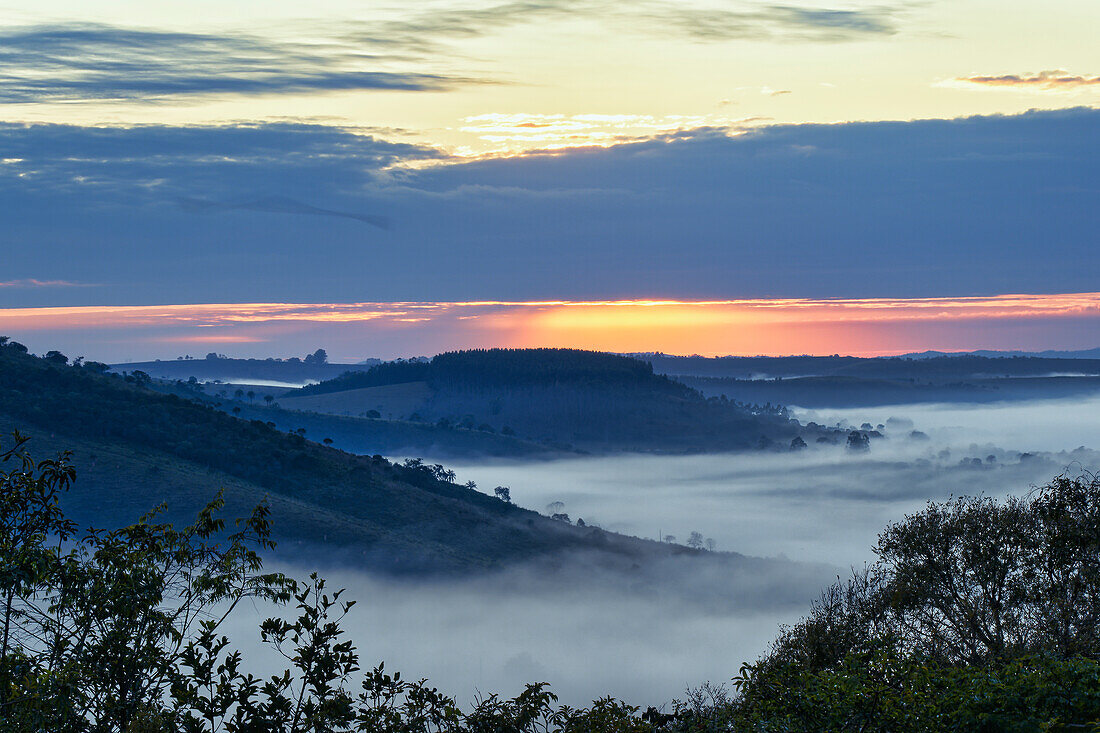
{"points": [[1046, 80], [907, 209], [275, 165], [651, 17], [90, 62], [281, 205], [106, 63], [35, 283], [777, 22]]}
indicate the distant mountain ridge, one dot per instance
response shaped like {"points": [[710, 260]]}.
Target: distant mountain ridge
{"points": [[1048, 354]]}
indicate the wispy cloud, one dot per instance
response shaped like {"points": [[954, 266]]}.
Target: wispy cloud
{"points": [[552, 131], [35, 283], [91, 62], [776, 22], [652, 17], [282, 205], [1046, 80]]}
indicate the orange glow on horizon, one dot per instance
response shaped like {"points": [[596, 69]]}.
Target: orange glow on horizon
{"points": [[866, 326]]}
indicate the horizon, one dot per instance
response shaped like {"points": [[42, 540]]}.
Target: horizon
{"points": [[746, 327]]}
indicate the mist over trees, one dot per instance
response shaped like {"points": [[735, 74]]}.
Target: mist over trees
{"points": [[978, 615]]}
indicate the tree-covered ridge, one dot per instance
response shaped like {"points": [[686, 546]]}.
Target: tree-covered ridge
{"points": [[939, 368], [480, 369], [978, 616]]}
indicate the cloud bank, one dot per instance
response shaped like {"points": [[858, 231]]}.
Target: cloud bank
{"points": [[909, 209]]}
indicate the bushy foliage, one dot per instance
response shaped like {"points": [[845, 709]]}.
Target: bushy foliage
{"points": [[978, 615]]}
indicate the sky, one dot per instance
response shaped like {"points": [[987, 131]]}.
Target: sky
{"points": [[582, 152]]}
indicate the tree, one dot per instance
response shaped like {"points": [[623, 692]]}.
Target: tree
{"points": [[251, 396], [98, 625], [269, 399], [797, 443], [711, 544], [695, 541], [238, 394], [670, 539], [503, 493], [320, 356], [56, 357], [858, 442]]}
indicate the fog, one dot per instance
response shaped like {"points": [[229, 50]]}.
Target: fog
{"points": [[648, 636]]}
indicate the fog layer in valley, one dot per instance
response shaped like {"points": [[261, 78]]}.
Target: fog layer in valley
{"points": [[646, 637]]}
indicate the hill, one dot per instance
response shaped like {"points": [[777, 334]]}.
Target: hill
{"points": [[848, 381], [565, 398], [937, 369], [136, 447]]}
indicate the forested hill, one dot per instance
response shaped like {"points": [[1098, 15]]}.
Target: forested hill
{"points": [[935, 369], [503, 368], [565, 398], [135, 447]]}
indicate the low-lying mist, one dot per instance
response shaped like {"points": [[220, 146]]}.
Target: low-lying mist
{"points": [[649, 634], [586, 637]]}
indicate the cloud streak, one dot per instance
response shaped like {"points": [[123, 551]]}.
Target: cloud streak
{"points": [[1045, 80], [91, 62], [31, 282], [281, 205], [652, 17]]}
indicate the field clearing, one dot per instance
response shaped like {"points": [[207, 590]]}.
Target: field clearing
{"points": [[391, 400]]}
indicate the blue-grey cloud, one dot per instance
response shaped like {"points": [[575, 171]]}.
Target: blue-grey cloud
{"points": [[30, 282], [654, 17], [100, 62], [280, 205], [936, 207]]}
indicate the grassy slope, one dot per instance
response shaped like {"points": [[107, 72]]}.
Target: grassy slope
{"points": [[391, 400], [395, 437]]}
